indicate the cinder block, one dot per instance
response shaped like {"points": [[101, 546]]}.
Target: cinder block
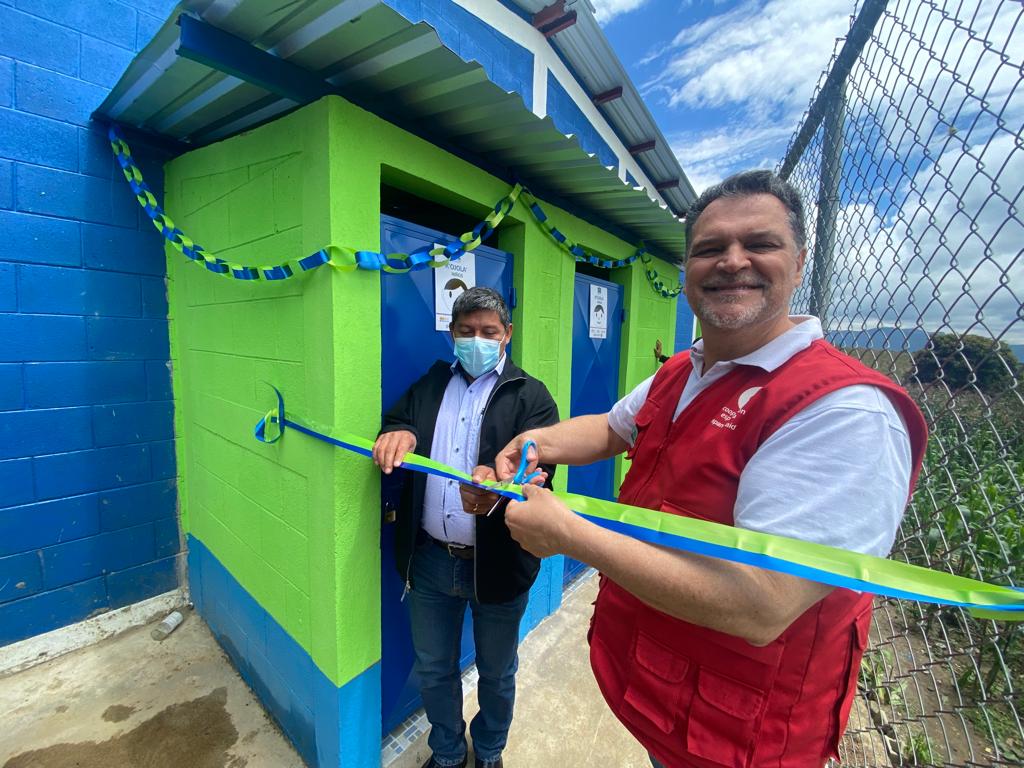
{"points": [[158, 380], [154, 297], [124, 250], [53, 385], [12, 394], [16, 480], [103, 63], [64, 291], [49, 610], [127, 339], [97, 555], [104, 19], [168, 540], [38, 140], [68, 474], [34, 526], [29, 38], [46, 93], [137, 504], [8, 288], [160, 8], [6, 82], [146, 29], [20, 576], [94, 155], [6, 184], [39, 239], [42, 338], [142, 582], [57, 193], [295, 665], [34, 433], [133, 423], [164, 462]]}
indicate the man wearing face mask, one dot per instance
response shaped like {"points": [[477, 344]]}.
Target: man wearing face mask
{"points": [[452, 546]]}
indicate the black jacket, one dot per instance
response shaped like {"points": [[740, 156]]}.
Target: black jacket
{"points": [[518, 402]]}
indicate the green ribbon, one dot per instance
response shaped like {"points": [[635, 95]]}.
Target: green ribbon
{"points": [[816, 562]]}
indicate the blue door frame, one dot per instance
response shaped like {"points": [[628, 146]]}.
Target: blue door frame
{"points": [[409, 346], [595, 387]]}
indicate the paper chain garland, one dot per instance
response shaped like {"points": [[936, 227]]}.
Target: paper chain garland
{"points": [[346, 259], [816, 562], [579, 253]]}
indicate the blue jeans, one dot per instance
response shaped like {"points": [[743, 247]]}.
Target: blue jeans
{"points": [[437, 607]]}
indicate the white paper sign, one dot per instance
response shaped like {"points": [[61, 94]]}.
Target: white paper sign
{"points": [[450, 282], [598, 312]]}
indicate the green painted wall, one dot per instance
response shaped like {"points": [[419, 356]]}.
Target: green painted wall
{"points": [[651, 317], [297, 523]]}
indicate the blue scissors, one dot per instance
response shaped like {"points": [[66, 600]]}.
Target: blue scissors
{"points": [[521, 477]]}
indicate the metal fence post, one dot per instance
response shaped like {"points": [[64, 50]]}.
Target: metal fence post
{"points": [[828, 206]]}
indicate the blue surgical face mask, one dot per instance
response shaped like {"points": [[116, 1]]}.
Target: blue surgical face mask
{"points": [[478, 356]]}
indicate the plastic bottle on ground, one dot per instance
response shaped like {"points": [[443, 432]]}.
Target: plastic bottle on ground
{"points": [[168, 625]]}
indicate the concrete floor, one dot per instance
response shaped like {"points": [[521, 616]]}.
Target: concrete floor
{"points": [[561, 717], [130, 701]]}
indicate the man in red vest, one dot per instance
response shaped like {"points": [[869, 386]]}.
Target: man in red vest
{"points": [[761, 425]]}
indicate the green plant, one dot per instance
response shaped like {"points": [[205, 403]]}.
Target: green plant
{"points": [[915, 748], [960, 361]]}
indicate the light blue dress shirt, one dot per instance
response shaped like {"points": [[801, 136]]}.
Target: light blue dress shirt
{"points": [[456, 443]]}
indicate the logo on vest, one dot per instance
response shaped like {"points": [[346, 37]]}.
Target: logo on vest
{"points": [[727, 418]]}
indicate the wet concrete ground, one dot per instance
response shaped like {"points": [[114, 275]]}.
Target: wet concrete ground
{"points": [[130, 702]]}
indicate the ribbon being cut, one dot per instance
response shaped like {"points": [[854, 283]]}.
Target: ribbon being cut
{"points": [[815, 562]]}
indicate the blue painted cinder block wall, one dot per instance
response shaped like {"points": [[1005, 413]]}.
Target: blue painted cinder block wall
{"points": [[87, 475]]}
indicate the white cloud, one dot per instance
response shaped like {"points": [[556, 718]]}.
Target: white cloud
{"points": [[606, 10], [930, 234], [756, 55], [710, 156], [759, 64]]}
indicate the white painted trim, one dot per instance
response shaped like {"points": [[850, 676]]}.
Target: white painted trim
{"points": [[545, 59], [35, 650], [540, 87]]}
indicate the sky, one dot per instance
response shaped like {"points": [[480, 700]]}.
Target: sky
{"points": [[928, 230], [726, 80]]}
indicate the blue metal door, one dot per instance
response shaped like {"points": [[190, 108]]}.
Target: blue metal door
{"points": [[409, 346], [595, 386]]}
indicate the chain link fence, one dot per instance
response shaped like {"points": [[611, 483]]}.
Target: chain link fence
{"points": [[912, 163]]}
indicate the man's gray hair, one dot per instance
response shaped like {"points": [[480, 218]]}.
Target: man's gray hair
{"points": [[753, 183], [477, 299]]}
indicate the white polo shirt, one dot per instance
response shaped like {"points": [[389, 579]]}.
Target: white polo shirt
{"points": [[837, 473]]}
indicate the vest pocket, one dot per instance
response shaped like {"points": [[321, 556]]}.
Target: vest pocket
{"points": [[724, 719], [655, 684], [848, 686]]}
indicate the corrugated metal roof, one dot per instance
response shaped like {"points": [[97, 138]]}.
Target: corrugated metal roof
{"points": [[373, 56], [588, 53]]}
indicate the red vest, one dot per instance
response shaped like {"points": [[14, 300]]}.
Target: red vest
{"points": [[694, 697]]}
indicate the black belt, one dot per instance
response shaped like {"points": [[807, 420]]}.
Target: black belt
{"points": [[462, 551]]}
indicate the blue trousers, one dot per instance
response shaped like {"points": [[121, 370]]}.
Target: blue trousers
{"points": [[437, 607]]}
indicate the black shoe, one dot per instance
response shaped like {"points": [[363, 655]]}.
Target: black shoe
{"points": [[431, 763], [478, 763]]}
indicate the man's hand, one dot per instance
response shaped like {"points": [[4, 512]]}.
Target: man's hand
{"points": [[542, 524], [390, 449], [506, 463], [657, 350], [477, 501]]}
